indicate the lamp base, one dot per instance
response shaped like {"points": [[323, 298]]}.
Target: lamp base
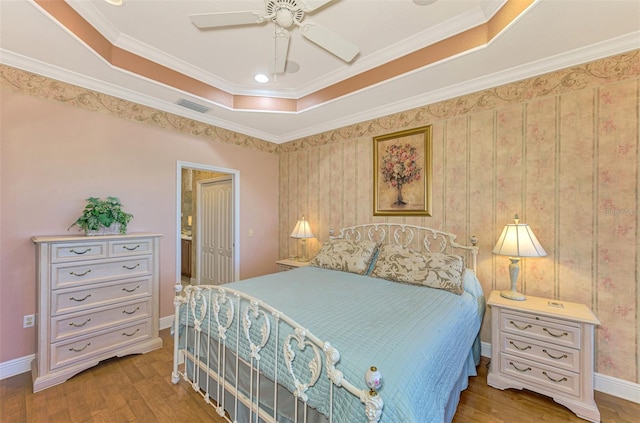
{"points": [[513, 295]]}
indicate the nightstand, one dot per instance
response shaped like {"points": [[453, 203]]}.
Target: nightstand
{"points": [[286, 264], [546, 346]]}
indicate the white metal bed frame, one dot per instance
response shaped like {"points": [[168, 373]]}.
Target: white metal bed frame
{"points": [[207, 302]]}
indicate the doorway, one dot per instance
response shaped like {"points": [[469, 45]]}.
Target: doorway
{"points": [[190, 215]]}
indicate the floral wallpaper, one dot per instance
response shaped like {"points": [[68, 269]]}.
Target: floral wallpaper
{"points": [[561, 150]]}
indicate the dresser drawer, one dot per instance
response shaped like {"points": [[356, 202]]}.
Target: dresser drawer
{"points": [[75, 252], [76, 324], [547, 377], [66, 275], [553, 355], [547, 330], [130, 247], [73, 351], [70, 300]]}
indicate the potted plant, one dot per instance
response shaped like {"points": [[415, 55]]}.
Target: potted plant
{"points": [[103, 217]]}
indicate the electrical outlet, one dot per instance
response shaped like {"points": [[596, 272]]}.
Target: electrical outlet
{"points": [[28, 320]]}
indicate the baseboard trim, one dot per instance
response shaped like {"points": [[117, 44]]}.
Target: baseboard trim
{"points": [[16, 366], [606, 384], [609, 385]]}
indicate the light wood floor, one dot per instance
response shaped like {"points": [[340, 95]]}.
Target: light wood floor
{"points": [[138, 389]]}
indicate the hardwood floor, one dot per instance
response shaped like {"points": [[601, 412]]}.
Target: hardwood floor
{"points": [[138, 388]]}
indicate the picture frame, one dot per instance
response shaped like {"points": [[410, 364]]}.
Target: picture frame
{"points": [[402, 173]]}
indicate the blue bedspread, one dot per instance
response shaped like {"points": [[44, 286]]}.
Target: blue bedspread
{"points": [[418, 337]]}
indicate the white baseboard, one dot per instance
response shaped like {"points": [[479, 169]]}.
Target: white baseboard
{"points": [[166, 322], [16, 366], [609, 385]]}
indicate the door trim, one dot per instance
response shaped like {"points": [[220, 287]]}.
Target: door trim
{"points": [[235, 186]]}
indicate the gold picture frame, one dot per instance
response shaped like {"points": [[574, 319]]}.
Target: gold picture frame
{"points": [[402, 173]]}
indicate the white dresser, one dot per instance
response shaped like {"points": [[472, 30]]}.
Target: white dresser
{"points": [[97, 298], [545, 346]]}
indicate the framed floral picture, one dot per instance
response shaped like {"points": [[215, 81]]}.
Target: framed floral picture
{"points": [[402, 173]]}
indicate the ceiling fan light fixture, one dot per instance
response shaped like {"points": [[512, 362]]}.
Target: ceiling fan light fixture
{"points": [[284, 17], [261, 78]]}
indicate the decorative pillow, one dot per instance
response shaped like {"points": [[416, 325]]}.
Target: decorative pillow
{"points": [[435, 270], [345, 255]]}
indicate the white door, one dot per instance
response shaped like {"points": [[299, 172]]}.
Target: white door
{"points": [[215, 231]]}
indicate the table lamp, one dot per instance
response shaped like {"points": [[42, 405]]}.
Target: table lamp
{"points": [[517, 240]]}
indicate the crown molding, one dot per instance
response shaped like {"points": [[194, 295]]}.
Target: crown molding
{"points": [[583, 55]]}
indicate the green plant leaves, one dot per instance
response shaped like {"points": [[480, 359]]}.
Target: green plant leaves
{"points": [[103, 213]]}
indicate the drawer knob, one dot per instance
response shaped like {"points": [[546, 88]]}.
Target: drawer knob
{"points": [[131, 248], [555, 335], [131, 334], [131, 290], [528, 347], [80, 299], [560, 357], [79, 349], [519, 327], [520, 370], [76, 325], [79, 252], [80, 274], [564, 379], [131, 312], [130, 268]]}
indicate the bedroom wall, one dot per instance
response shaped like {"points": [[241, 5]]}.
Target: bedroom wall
{"points": [[561, 150], [60, 144]]}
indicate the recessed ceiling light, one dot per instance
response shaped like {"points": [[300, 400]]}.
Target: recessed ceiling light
{"points": [[261, 78], [115, 2], [423, 2]]}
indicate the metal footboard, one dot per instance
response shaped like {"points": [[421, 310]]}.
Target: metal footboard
{"points": [[215, 325]]}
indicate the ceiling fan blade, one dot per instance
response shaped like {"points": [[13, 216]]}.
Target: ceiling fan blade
{"points": [[280, 50], [329, 41], [222, 19], [311, 5]]}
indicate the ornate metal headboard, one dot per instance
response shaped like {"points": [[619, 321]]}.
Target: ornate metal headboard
{"points": [[417, 238]]}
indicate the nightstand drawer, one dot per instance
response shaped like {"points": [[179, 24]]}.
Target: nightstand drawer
{"points": [[556, 356], [547, 377], [547, 330]]}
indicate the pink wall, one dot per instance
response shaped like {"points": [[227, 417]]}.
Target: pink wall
{"points": [[54, 156]]}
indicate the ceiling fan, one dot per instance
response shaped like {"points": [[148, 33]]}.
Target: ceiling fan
{"points": [[285, 14]]}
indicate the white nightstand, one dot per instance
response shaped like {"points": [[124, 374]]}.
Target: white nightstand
{"points": [[545, 346], [286, 264]]}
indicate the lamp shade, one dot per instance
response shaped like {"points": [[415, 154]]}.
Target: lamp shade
{"points": [[517, 240], [302, 229]]}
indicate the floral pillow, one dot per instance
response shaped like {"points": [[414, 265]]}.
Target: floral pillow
{"points": [[435, 270], [346, 255]]}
